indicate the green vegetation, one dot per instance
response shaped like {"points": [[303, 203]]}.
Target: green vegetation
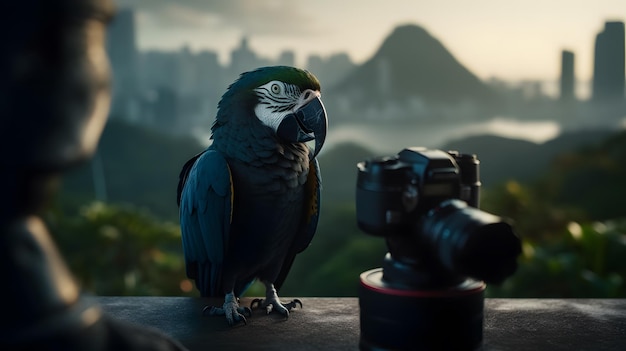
{"points": [[571, 215], [121, 250], [573, 221], [581, 261]]}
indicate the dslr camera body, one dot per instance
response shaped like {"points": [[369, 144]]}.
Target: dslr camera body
{"points": [[429, 293]]}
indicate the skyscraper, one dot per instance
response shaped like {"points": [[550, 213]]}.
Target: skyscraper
{"points": [[122, 50], [567, 75], [608, 66], [287, 58], [243, 59]]}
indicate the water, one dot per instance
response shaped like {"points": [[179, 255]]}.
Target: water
{"points": [[390, 138]]}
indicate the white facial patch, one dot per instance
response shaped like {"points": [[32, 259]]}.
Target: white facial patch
{"points": [[276, 100]]}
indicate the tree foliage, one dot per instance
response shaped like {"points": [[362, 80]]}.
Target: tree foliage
{"points": [[121, 250], [585, 260]]}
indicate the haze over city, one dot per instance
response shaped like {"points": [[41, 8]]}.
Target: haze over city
{"points": [[508, 40]]}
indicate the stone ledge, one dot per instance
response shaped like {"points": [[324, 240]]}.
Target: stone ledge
{"points": [[333, 324]]}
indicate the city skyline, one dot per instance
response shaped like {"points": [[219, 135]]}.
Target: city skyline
{"points": [[158, 86], [508, 41]]}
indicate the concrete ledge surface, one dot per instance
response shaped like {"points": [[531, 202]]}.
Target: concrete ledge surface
{"points": [[333, 324]]}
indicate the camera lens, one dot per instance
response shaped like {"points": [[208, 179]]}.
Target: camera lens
{"points": [[471, 242]]}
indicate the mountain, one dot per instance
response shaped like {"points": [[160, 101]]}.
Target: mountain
{"points": [[412, 63], [503, 159]]}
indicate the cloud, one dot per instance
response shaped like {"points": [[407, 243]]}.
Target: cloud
{"points": [[258, 17]]}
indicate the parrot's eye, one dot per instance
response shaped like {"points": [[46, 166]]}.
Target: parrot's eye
{"points": [[275, 89]]}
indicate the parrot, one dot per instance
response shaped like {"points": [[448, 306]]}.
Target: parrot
{"points": [[250, 202]]}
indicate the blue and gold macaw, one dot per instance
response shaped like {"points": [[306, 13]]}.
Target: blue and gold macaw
{"points": [[250, 202]]}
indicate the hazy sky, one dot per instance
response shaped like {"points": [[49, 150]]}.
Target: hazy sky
{"points": [[511, 40]]}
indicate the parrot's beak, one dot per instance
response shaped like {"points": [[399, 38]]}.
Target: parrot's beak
{"points": [[307, 123]]}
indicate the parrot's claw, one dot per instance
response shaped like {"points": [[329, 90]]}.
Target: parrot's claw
{"points": [[273, 304], [291, 305], [231, 310], [256, 302]]}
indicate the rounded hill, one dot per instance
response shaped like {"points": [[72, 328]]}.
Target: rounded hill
{"points": [[412, 63]]}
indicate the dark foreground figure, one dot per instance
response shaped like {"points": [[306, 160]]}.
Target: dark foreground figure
{"points": [[54, 99]]}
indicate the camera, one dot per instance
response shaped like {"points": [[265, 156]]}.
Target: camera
{"points": [[442, 250]]}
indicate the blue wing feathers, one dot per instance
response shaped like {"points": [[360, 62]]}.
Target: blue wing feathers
{"points": [[205, 212]]}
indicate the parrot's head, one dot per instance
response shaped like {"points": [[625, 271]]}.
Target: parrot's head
{"points": [[285, 99]]}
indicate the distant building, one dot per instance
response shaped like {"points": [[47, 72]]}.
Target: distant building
{"points": [[531, 89], [384, 83], [287, 58], [243, 59], [123, 55], [567, 76], [165, 109], [187, 72], [210, 81], [332, 70], [183, 84], [315, 64], [608, 66]]}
